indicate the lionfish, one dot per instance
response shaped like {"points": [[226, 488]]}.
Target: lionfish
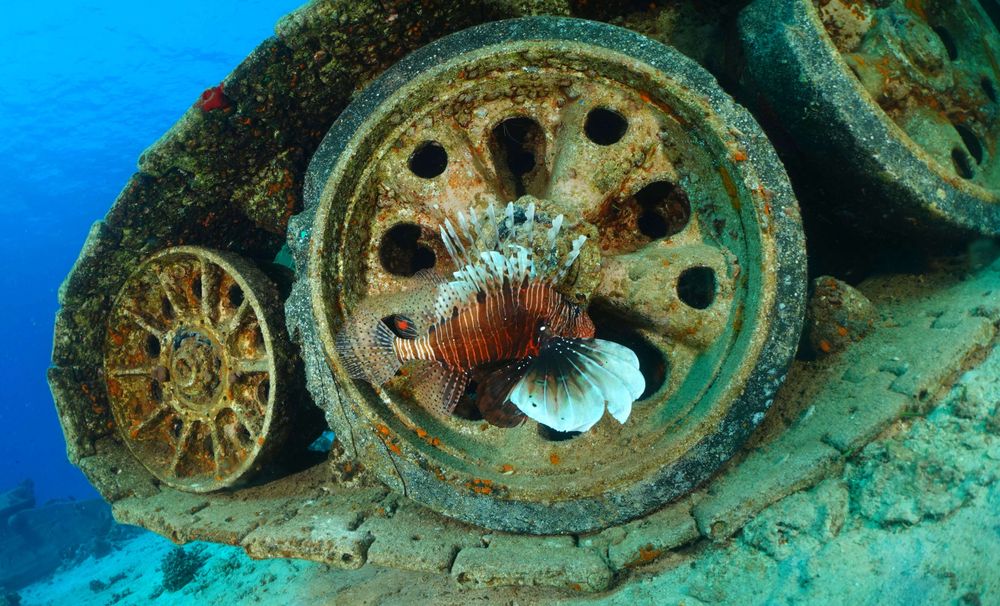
{"points": [[500, 318]]}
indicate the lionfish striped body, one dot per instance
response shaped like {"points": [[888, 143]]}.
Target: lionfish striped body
{"points": [[504, 325], [501, 318]]}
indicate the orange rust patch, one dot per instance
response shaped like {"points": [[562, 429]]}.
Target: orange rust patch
{"points": [[825, 346], [394, 448], [842, 331], [645, 96], [507, 468], [382, 430], [554, 459], [917, 7], [420, 433], [727, 182], [739, 156], [435, 442], [260, 441], [480, 486], [646, 555], [576, 587]]}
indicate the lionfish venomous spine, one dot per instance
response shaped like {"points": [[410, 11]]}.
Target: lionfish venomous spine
{"points": [[500, 312]]}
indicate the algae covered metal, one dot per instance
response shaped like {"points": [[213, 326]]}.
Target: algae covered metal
{"points": [[895, 101], [700, 263]]}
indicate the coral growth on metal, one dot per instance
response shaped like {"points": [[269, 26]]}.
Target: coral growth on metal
{"points": [[190, 368], [932, 67], [892, 102], [697, 241]]}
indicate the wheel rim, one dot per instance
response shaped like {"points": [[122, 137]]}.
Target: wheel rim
{"points": [[932, 68], [192, 374], [687, 226]]}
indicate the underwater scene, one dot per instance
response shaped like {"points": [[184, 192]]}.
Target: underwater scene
{"points": [[506, 301]]}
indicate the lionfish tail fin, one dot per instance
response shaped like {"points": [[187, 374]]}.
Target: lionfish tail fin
{"points": [[570, 383], [364, 344]]}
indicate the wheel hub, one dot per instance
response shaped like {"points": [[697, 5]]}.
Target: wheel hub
{"points": [[196, 366]]}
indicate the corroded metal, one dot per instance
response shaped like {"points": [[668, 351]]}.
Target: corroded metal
{"points": [[696, 260], [193, 374], [893, 98]]}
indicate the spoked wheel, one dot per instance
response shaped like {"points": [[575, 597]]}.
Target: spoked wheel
{"points": [[695, 260], [899, 97], [195, 362]]}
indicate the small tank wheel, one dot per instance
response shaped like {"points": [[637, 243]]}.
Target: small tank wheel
{"points": [[695, 260], [194, 363], [898, 99]]}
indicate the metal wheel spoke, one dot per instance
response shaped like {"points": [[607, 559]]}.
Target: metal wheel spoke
{"points": [[145, 323]]}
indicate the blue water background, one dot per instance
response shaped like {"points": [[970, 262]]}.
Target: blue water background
{"points": [[84, 88]]}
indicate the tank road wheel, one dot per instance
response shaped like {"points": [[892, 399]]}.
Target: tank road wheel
{"points": [[695, 260], [900, 97], [194, 362]]}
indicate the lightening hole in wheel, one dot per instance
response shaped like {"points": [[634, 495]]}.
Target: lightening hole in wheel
{"points": [[971, 142], [948, 41], [664, 210], [166, 308], [989, 89], [402, 253], [156, 391], [235, 295], [466, 407], [263, 390], [963, 166], [550, 435], [605, 126], [196, 288], [517, 145], [152, 346], [428, 160], [243, 435], [612, 326], [696, 287]]}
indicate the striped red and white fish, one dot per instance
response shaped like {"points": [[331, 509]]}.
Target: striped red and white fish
{"points": [[499, 318]]}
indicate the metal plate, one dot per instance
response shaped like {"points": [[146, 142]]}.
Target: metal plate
{"points": [[194, 364], [700, 266]]}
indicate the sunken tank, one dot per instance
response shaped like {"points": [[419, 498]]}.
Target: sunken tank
{"points": [[194, 364]]}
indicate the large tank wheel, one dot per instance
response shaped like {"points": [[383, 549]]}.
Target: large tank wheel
{"points": [[900, 97], [695, 260], [194, 363]]}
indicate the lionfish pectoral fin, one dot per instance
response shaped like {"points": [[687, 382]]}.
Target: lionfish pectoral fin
{"points": [[571, 381], [364, 344], [438, 389], [493, 391]]}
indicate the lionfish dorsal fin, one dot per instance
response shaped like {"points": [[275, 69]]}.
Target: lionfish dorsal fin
{"points": [[488, 249], [570, 383]]}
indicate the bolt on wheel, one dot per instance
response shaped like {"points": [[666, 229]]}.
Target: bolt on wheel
{"points": [[194, 362], [899, 95], [694, 260]]}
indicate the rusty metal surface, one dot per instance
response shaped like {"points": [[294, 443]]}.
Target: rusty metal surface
{"points": [[700, 263], [893, 102], [195, 368]]}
